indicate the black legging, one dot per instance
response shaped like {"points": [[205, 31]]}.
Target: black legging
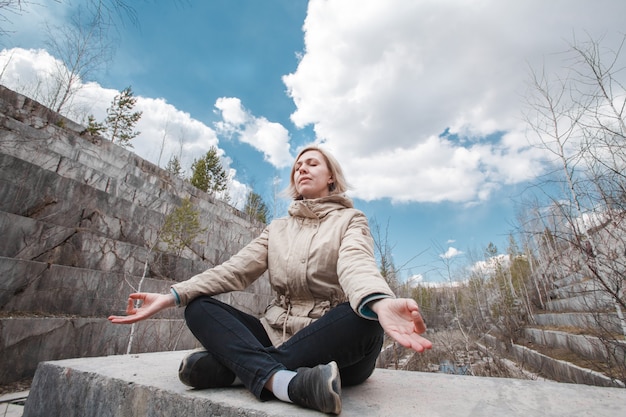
{"points": [[239, 341]]}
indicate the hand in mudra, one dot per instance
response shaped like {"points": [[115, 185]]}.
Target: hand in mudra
{"points": [[400, 319], [150, 304]]}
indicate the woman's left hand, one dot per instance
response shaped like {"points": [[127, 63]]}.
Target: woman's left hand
{"points": [[400, 318]]}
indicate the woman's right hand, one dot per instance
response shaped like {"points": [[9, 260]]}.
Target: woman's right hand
{"points": [[151, 304]]}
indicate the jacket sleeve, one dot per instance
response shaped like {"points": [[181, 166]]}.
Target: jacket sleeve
{"points": [[236, 274], [358, 273]]}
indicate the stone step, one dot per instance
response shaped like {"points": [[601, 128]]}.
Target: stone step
{"points": [[29, 239], [596, 301], [48, 289], [605, 322], [45, 195], [530, 359], [570, 280], [576, 288], [147, 384], [26, 341], [77, 159], [559, 370], [121, 262], [586, 346]]}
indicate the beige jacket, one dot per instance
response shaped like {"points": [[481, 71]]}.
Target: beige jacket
{"points": [[317, 257]]}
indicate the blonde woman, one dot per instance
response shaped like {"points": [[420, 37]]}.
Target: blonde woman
{"points": [[324, 328]]}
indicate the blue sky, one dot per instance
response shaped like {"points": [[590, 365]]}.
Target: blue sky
{"points": [[421, 101]]}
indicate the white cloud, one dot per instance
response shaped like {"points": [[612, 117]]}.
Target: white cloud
{"points": [[270, 138], [451, 253], [167, 131], [441, 284], [381, 81], [415, 280]]}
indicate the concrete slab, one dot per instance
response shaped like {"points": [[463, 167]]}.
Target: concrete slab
{"points": [[147, 385], [11, 410], [11, 404]]}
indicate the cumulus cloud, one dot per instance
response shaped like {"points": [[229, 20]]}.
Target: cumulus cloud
{"points": [[415, 280], [270, 138], [451, 253], [422, 100]]}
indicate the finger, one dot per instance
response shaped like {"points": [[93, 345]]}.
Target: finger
{"points": [[137, 296], [418, 321], [419, 344], [130, 307], [427, 344], [417, 347], [403, 340], [412, 304], [122, 319]]}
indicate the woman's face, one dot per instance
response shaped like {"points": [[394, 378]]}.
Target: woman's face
{"points": [[311, 175]]}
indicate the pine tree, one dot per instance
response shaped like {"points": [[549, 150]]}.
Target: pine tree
{"points": [[94, 128], [181, 227], [174, 168], [208, 173], [121, 119]]}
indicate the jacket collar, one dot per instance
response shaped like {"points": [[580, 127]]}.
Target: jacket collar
{"points": [[319, 207]]}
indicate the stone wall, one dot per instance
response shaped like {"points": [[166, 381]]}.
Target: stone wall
{"points": [[79, 225]]}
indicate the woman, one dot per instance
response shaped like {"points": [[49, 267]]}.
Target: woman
{"points": [[325, 327]]}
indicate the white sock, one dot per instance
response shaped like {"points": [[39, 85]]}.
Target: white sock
{"points": [[280, 384]]}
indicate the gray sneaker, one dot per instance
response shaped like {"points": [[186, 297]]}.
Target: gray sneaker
{"points": [[318, 388], [201, 370]]}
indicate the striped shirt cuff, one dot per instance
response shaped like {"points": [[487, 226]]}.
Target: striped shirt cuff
{"points": [[364, 308]]}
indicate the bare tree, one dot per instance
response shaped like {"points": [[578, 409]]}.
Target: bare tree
{"points": [[9, 8], [383, 250], [580, 121], [255, 208], [109, 10], [82, 47]]}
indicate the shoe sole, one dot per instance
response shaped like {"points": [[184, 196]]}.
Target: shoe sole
{"points": [[334, 385], [200, 370]]}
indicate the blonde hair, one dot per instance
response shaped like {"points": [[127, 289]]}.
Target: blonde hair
{"points": [[339, 184]]}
